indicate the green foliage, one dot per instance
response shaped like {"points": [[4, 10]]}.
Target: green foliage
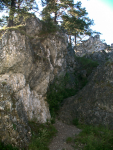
{"points": [[69, 140], [94, 138], [76, 21], [14, 126], [4, 83], [15, 9], [48, 27], [7, 147], [75, 122], [41, 135], [57, 92], [87, 64], [54, 7]]}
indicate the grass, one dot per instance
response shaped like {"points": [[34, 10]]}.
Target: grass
{"points": [[69, 140], [41, 135], [93, 137], [7, 147]]}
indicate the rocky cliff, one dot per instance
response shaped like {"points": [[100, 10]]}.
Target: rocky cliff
{"points": [[94, 103], [93, 44], [28, 63]]}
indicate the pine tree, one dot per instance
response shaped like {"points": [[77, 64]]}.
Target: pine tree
{"points": [[76, 22], [18, 7], [56, 7]]}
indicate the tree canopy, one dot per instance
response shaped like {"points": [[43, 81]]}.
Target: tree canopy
{"points": [[73, 17], [76, 21], [16, 8]]}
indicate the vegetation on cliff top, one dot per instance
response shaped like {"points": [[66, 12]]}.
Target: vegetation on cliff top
{"points": [[73, 18]]}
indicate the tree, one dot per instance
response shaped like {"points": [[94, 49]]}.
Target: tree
{"points": [[76, 22], [16, 7], [56, 7], [74, 17]]}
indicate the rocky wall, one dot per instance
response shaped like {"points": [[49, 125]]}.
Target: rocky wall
{"points": [[94, 103], [28, 63], [93, 44]]}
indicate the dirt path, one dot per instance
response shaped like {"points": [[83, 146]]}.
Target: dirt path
{"points": [[64, 131]]}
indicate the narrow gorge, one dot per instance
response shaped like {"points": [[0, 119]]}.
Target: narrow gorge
{"points": [[30, 62]]}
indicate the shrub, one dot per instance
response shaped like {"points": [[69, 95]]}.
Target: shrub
{"points": [[57, 92], [94, 138], [41, 135], [87, 64]]}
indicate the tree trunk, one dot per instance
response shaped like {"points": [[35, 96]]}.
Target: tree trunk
{"points": [[19, 4], [75, 39], [11, 13], [55, 18], [55, 7], [70, 39]]}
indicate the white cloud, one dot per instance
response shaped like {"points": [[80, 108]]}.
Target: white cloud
{"points": [[102, 16]]}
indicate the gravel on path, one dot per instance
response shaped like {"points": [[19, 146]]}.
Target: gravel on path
{"points": [[64, 131]]}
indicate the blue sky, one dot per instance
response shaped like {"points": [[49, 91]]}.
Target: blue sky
{"points": [[101, 11]]}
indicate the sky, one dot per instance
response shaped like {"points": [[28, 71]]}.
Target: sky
{"points": [[101, 11]]}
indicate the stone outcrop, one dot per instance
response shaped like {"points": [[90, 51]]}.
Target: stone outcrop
{"points": [[14, 127], [100, 56], [94, 103], [93, 44], [111, 46], [28, 63]]}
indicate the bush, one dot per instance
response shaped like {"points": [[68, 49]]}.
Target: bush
{"points": [[57, 92], [48, 27], [87, 64], [41, 135], [94, 138]]}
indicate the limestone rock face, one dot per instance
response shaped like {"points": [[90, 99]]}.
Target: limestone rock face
{"points": [[94, 103], [93, 44], [14, 127], [28, 63]]}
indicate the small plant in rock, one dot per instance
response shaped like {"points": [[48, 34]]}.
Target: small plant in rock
{"points": [[69, 140], [75, 122], [14, 126], [4, 83]]}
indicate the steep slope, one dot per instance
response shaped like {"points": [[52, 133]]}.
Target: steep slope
{"points": [[94, 103]]}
